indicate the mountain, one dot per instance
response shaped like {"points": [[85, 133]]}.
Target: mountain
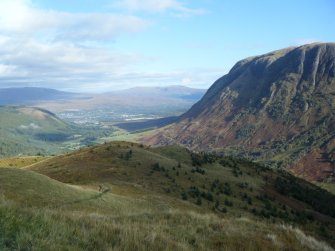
{"points": [[277, 108], [172, 91], [36, 95], [31, 131], [129, 196], [169, 100], [148, 98], [32, 95], [26, 130]]}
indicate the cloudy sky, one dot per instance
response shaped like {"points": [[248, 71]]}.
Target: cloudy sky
{"points": [[103, 45]]}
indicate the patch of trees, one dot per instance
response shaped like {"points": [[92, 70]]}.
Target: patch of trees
{"points": [[197, 194], [89, 140], [52, 137], [319, 199], [157, 167], [198, 159], [229, 162], [198, 170], [127, 155], [245, 131], [218, 187], [276, 110], [233, 164]]}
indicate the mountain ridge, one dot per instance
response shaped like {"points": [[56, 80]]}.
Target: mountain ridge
{"points": [[275, 108], [30, 95]]}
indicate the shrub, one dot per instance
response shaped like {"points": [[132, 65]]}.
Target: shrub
{"points": [[156, 167], [245, 131], [184, 196]]}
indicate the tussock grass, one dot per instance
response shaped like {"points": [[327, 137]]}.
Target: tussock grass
{"points": [[26, 229], [112, 201], [308, 241], [18, 162]]}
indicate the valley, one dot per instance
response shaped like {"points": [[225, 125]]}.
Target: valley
{"points": [[77, 120], [173, 125], [137, 170], [133, 104]]}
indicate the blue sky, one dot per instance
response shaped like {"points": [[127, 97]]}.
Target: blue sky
{"points": [[103, 45]]}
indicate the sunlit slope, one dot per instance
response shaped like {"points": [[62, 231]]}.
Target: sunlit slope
{"points": [[34, 131], [20, 161], [30, 131], [39, 213], [277, 108], [224, 186]]}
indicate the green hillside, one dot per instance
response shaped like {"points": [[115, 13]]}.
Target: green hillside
{"points": [[35, 131], [179, 183]]}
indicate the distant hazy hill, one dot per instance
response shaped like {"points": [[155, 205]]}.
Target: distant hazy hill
{"points": [[174, 91], [152, 98], [278, 108], [31, 95], [170, 98], [29, 131]]}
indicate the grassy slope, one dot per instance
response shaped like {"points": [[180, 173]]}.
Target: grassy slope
{"points": [[57, 218], [22, 161], [137, 208], [232, 189], [330, 187], [19, 127], [32, 131]]}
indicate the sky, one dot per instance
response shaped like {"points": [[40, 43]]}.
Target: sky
{"points": [[106, 45]]}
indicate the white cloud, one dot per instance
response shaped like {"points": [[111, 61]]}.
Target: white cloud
{"points": [[49, 48], [29, 62], [64, 50], [160, 6], [62, 65], [186, 81], [7, 70], [21, 17]]}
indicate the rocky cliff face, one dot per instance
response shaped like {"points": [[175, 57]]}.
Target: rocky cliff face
{"points": [[278, 108]]}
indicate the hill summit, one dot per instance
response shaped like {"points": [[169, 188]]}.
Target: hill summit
{"points": [[278, 108]]}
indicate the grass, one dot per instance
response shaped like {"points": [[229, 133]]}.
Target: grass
{"points": [[104, 198], [330, 187], [45, 229], [18, 162], [32, 131], [123, 135], [20, 126]]}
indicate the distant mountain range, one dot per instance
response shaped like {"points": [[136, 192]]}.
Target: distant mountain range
{"points": [[36, 95], [156, 101], [277, 108], [173, 91], [31, 95]]}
